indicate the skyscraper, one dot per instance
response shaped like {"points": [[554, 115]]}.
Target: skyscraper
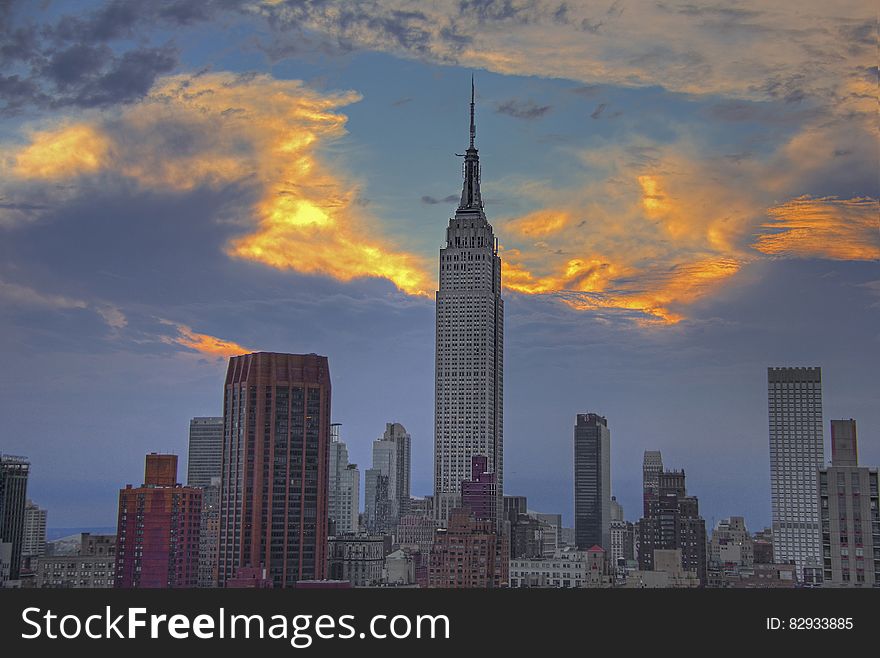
{"points": [[273, 496], [468, 391], [33, 542], [344, 486], [592, 482], [203, 471], [796, 455], [157, 536], [673, 523], [13, 497], [387, 484], [205, 450], [850, 511], [652, 467], [396, 434]]}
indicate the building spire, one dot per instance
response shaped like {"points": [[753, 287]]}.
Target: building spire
{"points": [[473, 125], [470, 193]]}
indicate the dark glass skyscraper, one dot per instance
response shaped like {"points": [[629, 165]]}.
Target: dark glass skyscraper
{"points": [[276, 437], [14, 473], [592, 482]]}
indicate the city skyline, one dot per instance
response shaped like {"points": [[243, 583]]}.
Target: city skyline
{"points": [[671, 224]]}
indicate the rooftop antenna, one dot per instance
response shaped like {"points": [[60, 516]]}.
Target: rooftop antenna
{"points": [[473, 125]]}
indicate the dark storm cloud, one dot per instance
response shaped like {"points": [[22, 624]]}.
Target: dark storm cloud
{"points": [[77, 61], [528, 110]]}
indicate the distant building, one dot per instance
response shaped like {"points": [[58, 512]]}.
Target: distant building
{"points": [[592, 481], [209, 533], [416, 530], [468, 554], [796, 455], [667, 572], [421, 506], [850, 513], [527, 538], [731, 545], [13, 498], [552, 532], [344, 486], [400, 567], [478, 494], [673, 522], [93, 567], [762, 546], [250, 578], [273, 505], [387, 483], [33, 543], [514, 506], [359, 559], [205, 450], [652, 467], [157, 538]]}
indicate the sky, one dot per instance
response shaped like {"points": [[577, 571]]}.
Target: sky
{"points": [[685, 193]]}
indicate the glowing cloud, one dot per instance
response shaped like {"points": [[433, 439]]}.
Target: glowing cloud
{"points": [[204, 343], [62, 152], [220, 128], [827, 227]]}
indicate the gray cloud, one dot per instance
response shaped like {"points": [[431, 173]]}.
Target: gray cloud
{"points": [[522, 109], [432, 201]]}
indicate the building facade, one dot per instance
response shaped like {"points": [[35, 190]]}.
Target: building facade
{"points": [[359, 559], [673, 523], [468, 554], [469, 352], [33, 543], [796, 455], [93, 567], [157, 532], [14, 473], [343, 502], [205, 450], [850, 514], [387, 483], [592, 481], [274, 486]]}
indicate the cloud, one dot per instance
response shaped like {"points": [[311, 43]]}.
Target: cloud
{"points": [[114, 317], [218, 129], [827, 227], [432, 201], [598, 111], [14, 293], [204, 343], [522, 109]]}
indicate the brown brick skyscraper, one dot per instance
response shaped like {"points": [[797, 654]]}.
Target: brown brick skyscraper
{"points": [[157, 536], [276, 437]]}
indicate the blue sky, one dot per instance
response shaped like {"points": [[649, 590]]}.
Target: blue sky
{"points": [[183, 182]]}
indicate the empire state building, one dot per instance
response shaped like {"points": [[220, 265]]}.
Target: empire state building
{"points": [[469, 358]]}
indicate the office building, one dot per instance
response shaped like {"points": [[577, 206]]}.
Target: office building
{"points": [[205, 450], [468, 403], [592, 481], [387, 483], [359, 559], [92, 567], [157, 533], [673, 523], [344, 498], [796, 455], [33, 543], [850, 514], [274, 486], [14, 473], [468, 554]]}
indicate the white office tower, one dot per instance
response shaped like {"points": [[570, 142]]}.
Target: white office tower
{"points": [[344, 486], [469, 372], [796, 455], [387, 483]]}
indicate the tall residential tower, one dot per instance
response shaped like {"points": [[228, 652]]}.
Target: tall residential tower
{"points": [[274, 487], [468, 391], [796, 454]]}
